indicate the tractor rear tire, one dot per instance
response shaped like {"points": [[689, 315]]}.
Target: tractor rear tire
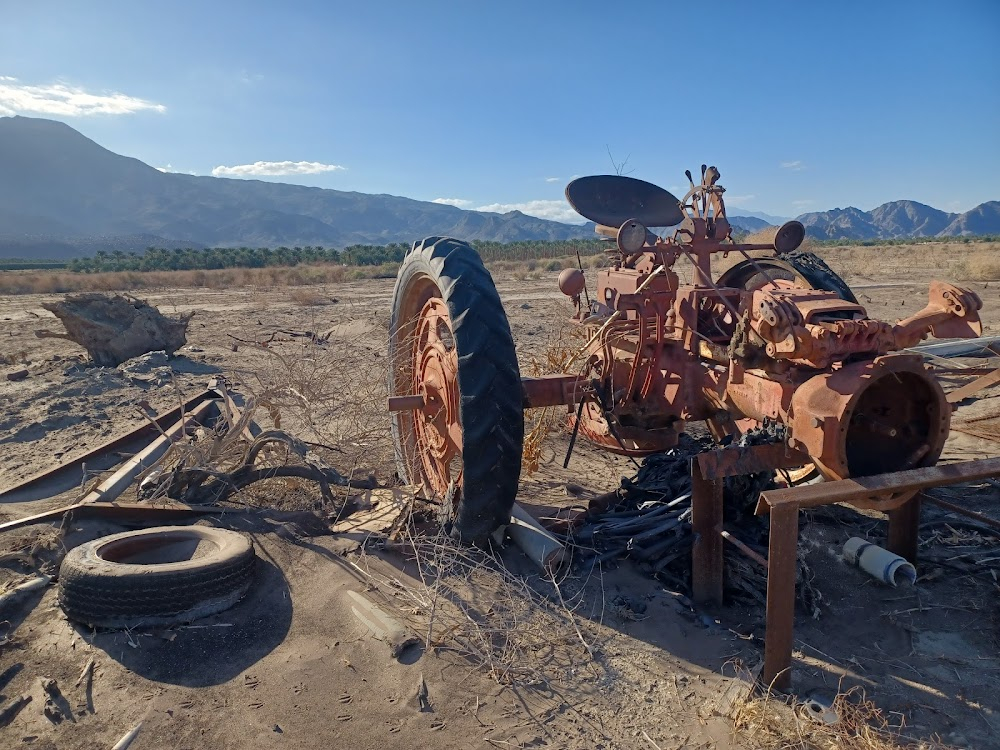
{"points": [[799, 266], [483, 380]]}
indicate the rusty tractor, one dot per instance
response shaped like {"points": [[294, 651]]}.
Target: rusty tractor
{"points": [[777, 339]]}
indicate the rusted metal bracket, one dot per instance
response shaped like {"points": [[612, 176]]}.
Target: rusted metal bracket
{"points": [[896, 493], [708, 473]]}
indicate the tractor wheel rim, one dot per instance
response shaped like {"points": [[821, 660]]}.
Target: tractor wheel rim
{"points": [[437, 427]]}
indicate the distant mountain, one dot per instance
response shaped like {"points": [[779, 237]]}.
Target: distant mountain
{"points": [[769, 219], [61, 194], [749, 224], [900, 219]]}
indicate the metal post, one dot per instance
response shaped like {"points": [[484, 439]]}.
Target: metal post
{"points": [[706, 523], [780, 619], [904, 528]]}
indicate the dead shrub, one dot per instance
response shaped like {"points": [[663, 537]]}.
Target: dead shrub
{"points": [[979, 267], [769, 721]]}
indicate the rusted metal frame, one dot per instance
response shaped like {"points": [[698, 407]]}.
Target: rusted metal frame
{"points": [[708, 278], [708, 473], [736, 461], [904, 529], [114, 485], [970, 389], [161, 421], [552, 390], [707, 564], [962, 512], [784, 506], [879, 487], [779, 618]]}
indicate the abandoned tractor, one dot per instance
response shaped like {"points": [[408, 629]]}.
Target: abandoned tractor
{"points": [[778, 338]]}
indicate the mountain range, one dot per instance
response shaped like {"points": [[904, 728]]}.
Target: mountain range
{"points": [[63, 195], [900, 219]]}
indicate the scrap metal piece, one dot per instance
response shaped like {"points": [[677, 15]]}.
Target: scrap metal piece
{"points": [[66, 469], [884, 492]]}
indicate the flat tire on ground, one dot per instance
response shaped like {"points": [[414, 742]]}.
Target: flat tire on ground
{"points": [[149, 577]]}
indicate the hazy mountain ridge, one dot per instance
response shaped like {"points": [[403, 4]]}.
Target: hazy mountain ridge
{"points": [[61, 193]]}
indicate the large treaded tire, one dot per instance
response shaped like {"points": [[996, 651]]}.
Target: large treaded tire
{"points": [[97, 590], [489, 383], [798, 265]]}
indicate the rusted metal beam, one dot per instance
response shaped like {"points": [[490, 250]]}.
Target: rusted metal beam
{"points": [[162, 421], [735, 461], [406, 403], [707, 564], [904, 529], [784, 505], [552, 390], [120, 511], [878, 486], [780, 615]]}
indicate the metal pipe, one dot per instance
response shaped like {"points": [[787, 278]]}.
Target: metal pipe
{"points": [[406, 403], [756, 557]]}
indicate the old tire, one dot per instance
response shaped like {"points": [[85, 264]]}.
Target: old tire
{"points": [[802, 267], [160, 576], [449, 339]]}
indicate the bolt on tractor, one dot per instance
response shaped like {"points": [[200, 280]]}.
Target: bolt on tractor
{"points": [[776, 339]]}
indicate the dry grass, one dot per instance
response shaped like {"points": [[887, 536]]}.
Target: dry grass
{"points": [[980, 265], [469, 604], [767, 722], [61, 282], [64, 282], [330, 393]]}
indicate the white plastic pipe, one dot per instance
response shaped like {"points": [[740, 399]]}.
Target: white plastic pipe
{"points": [[544, 549], [879, 563]]}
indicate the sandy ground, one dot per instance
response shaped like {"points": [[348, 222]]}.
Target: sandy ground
{"points": [[292, 667]]}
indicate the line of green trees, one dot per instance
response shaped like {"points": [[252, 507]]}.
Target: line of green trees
{"points": [[188, 259]]}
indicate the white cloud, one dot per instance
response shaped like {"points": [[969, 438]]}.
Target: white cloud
{"points": [[168, 168], [803, 202], [543, 209], [275, 169], [739, 200], [795, 166], [553, 179], [456, 202], [67, 101]]}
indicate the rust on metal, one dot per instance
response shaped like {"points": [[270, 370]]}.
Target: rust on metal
{"points": [[896, 492], [707, 564], [735, 461]]}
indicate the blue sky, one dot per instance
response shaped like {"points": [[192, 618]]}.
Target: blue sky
{"points": [[803, 106]]}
